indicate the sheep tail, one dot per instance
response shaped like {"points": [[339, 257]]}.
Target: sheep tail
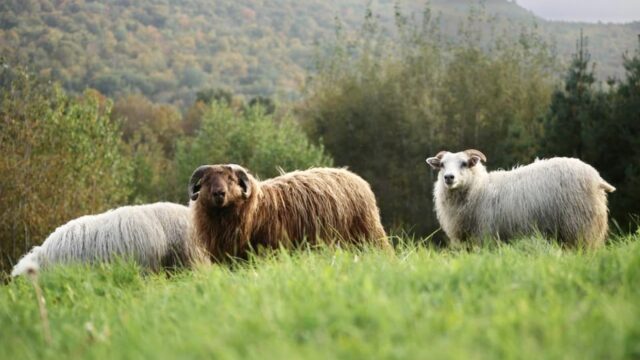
{"points": [[606, 186], [28, 264]]}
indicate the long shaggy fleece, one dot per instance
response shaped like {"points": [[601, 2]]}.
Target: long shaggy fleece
{"points": [[153, 235], [562, 198], [233, 212]]}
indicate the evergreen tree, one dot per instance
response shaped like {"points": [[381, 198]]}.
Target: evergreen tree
{"points": [[570, 110], [625, 147]]}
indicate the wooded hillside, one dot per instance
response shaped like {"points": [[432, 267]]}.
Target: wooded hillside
{"points": [[167, 50]]}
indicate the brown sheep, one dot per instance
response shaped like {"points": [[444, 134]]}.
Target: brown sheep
{"points": [[234, 213]]}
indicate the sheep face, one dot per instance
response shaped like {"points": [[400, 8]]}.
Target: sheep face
{"points": [[220, 186], [456, 170]]}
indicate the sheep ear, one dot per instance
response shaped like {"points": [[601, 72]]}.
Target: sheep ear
{"points": [[434, 162], [243, 179], [475, 156], [196, 182]]}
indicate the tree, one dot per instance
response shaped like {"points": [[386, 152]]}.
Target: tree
{"points": [[148, 122], [250, 138], [61, 158], [150, 132], [382, 107], [601, 127], [570, 112], [624, 147], [208, 96]]}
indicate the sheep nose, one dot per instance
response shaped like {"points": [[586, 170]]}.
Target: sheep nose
{"points": [[448, 178], [218, 194]]}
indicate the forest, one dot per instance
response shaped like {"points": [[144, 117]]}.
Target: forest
{"points": [[382, 94], [169, 50]]}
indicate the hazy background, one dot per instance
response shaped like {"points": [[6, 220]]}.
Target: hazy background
{"points": [[615, 11]]}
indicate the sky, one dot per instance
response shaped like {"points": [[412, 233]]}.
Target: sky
{"points": [[617, 11]]}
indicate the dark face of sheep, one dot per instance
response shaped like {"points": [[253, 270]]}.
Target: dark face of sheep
{"points": [[220, 186], [456, 169]]}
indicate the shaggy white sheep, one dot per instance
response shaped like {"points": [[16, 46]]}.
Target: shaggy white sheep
{"points": [[153, 235], [563, 198]]}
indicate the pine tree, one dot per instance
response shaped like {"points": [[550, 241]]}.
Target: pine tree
{"points": [[569, 115], [626, 146]]}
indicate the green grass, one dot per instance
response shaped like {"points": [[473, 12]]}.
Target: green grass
{"points": [[527, 300]]}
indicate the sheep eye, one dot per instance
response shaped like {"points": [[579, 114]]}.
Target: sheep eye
{"points": [[464, 164]]}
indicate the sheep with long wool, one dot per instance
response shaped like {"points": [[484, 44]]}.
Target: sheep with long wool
{"points": [[155, 236], [235, 213], [562, 198]]}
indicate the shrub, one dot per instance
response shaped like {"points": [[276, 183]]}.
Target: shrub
{"points": [[250, 138], [61, 158]]}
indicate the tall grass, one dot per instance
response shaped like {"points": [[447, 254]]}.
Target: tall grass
{"points": [[526, 300]]}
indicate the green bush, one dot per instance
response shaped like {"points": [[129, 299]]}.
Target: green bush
{"points": [[61, 158], [250, 138], [150, 132]]}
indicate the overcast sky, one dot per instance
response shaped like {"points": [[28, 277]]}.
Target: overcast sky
{"points": [[585, 10]]}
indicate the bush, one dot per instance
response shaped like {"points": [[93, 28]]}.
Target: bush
{"points": [[249, 138], [150, 132], [61, 158]]}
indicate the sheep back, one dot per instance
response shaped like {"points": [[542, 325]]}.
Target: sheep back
{"points": [[300, 207], [562, 198], [153, 235]]}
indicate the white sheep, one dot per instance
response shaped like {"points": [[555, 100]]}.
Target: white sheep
{"points": [[154, 235], [562, 198]]}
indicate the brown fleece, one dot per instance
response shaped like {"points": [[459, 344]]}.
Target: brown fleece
{"points": [[320, 205]]}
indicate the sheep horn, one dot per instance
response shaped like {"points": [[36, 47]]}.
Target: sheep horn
{"points": [[196, 181], [441, 154], [243, 178], [474, 152]]}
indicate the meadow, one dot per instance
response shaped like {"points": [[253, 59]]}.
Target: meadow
{"points": [[529, 299]]}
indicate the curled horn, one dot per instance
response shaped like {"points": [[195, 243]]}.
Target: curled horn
{"points": [[434, 162], [475, 155], [440, 154], [243, 179], [196, 181], [474, 152]]}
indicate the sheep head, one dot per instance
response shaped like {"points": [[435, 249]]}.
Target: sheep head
{"points": [[220, 186], [456, 169]]}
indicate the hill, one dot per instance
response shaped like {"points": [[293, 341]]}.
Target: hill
{"points": [[170, 49]]}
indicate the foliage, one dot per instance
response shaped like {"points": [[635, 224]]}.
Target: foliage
{"points": [[248, 137], [571, 110], [150, 131], [382, 107], [139, 116], [600, 125], [168, 50], [61, 158], [529, 300], [624, 149]]}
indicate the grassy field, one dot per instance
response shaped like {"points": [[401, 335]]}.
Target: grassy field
{"points": [[526, 300]]}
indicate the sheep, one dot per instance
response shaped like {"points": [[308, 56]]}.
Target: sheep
{"points": [[233, 212], [562, 198], [153, 235]]}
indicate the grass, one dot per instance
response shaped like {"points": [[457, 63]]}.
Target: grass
{"points": [[526, 300]]}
